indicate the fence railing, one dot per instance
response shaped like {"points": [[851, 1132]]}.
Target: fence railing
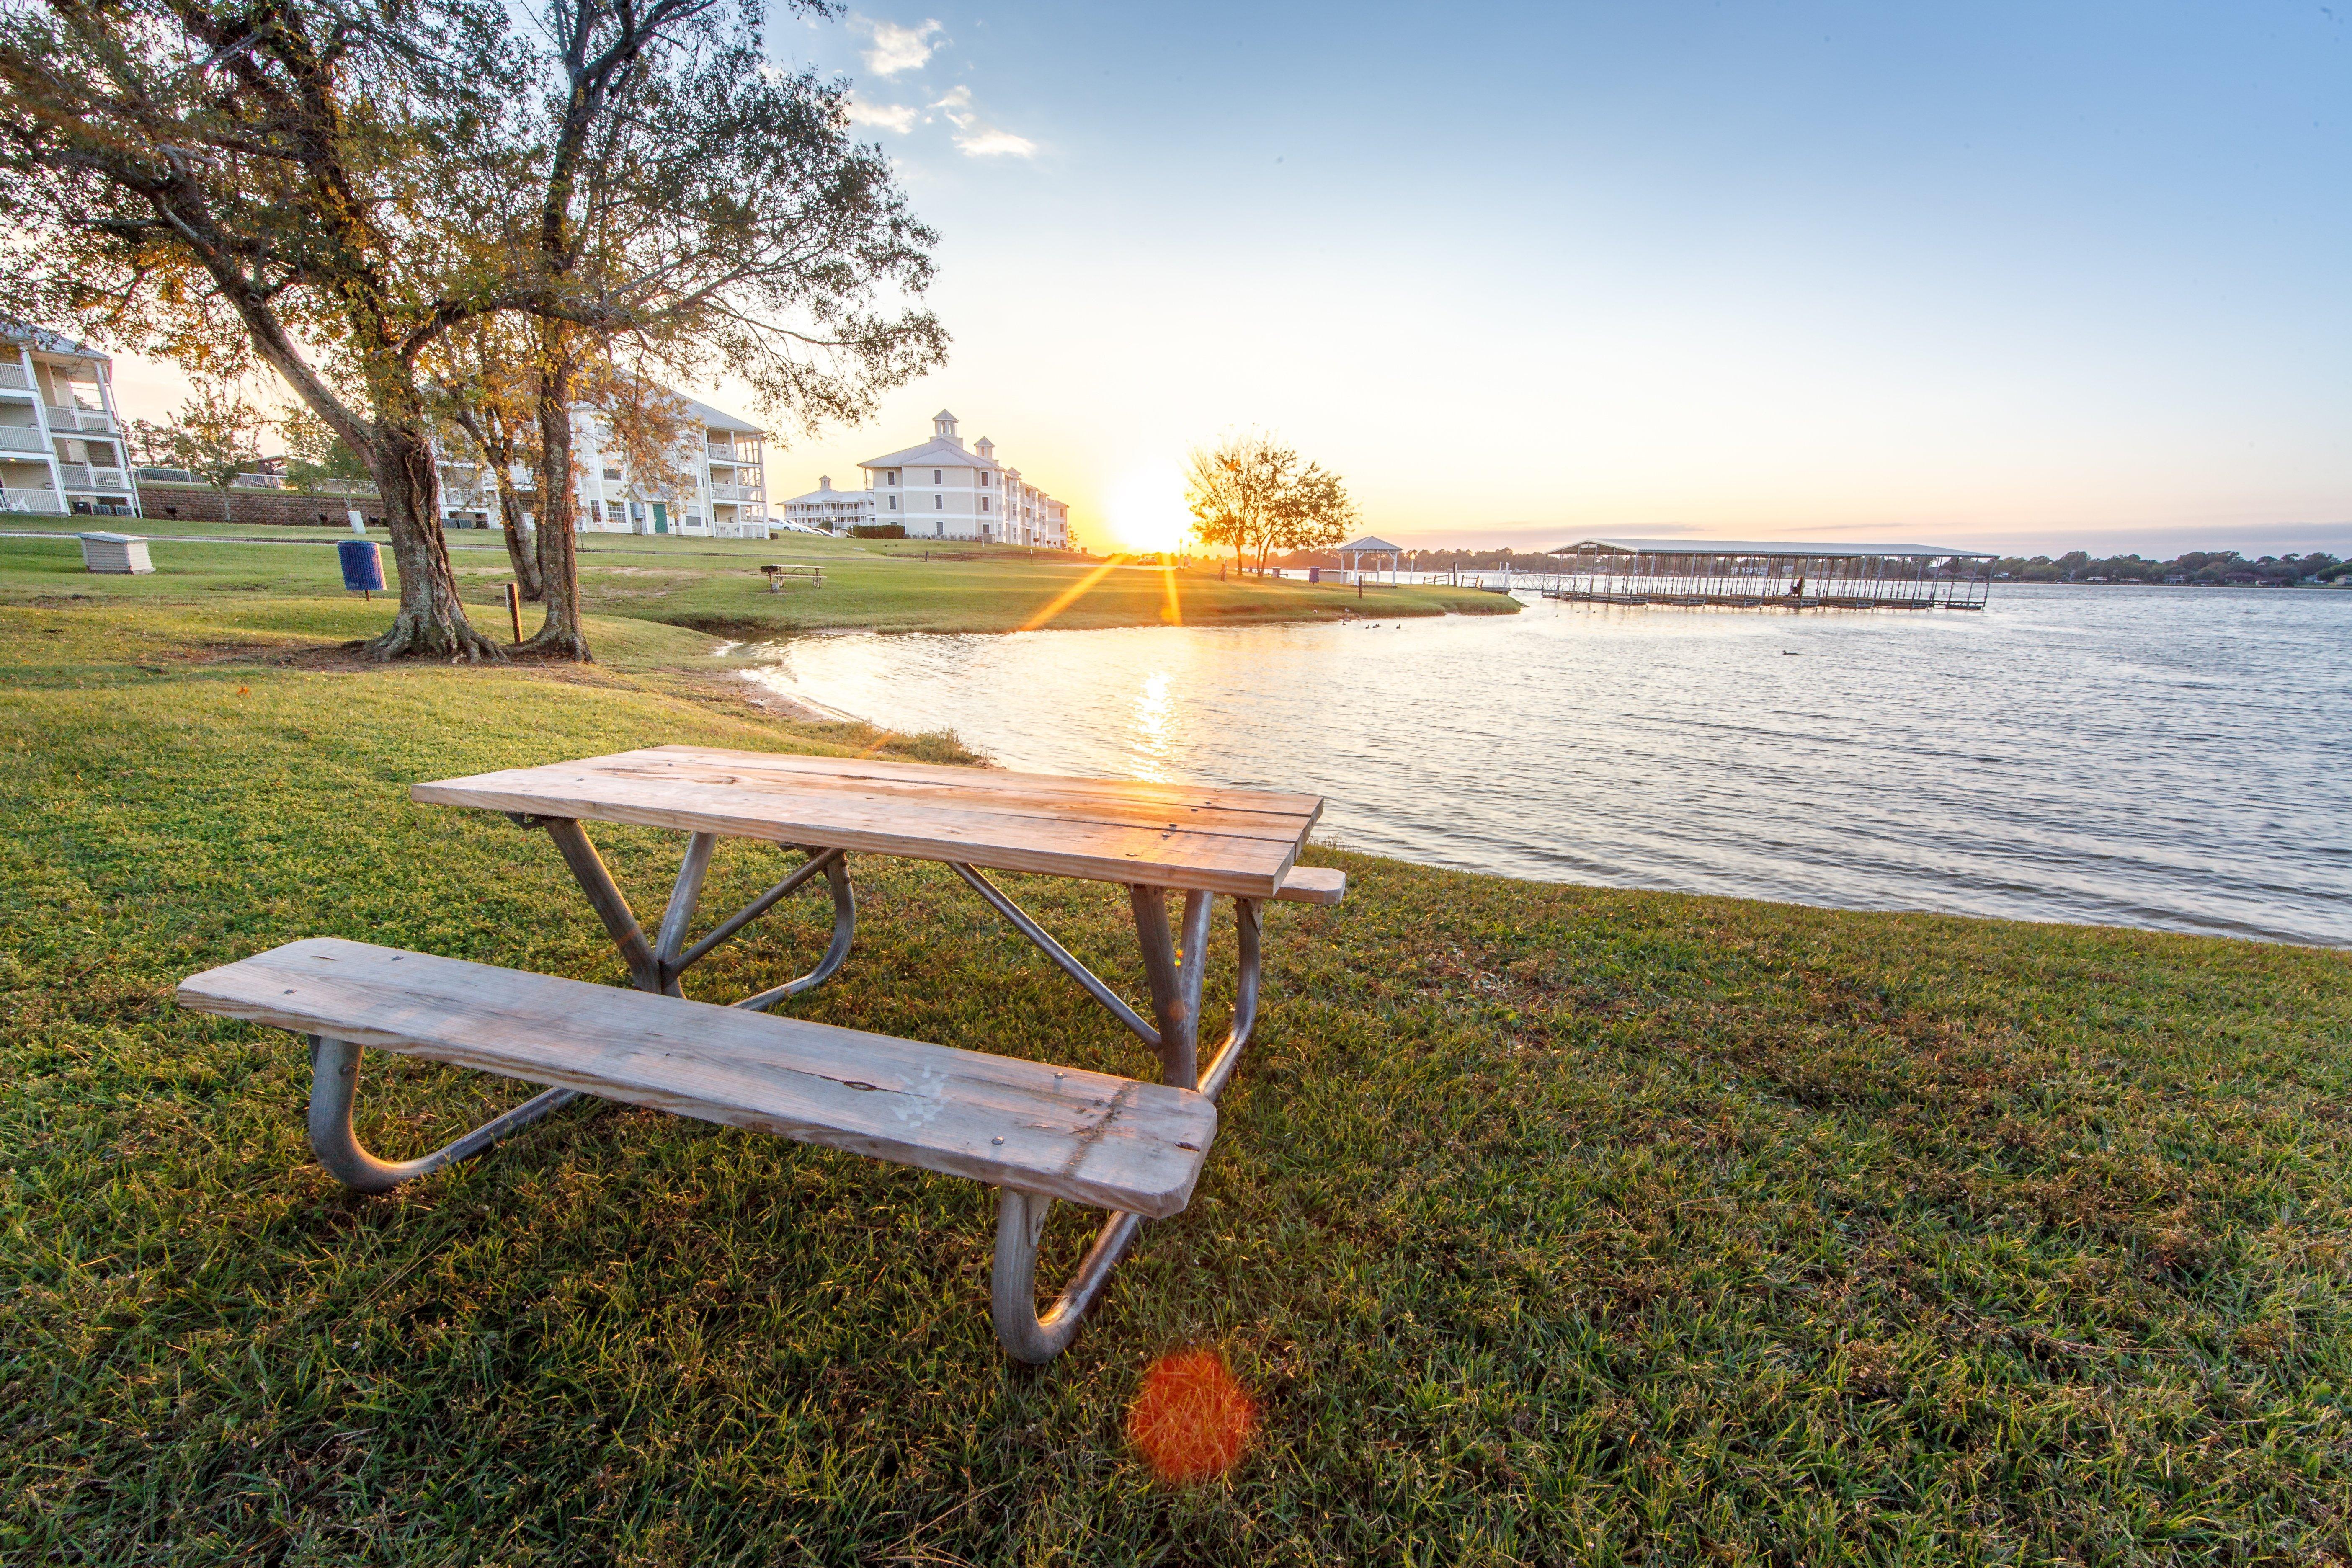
{"points": [[22, 438], [80, 421], [12, 377], [30, 500]]}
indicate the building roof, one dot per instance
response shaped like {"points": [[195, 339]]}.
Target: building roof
{"points": [[720, 419], [938, 450], [49, 343], [829, 494], [1369, 543], [1816, 549]]}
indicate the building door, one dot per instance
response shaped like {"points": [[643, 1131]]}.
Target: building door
{"points": [[661, 518]]}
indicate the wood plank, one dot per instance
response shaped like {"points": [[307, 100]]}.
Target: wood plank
{"points": [[1247, 868], [749, 795], [1093, 1139], [969, 789], [1313, 885], [1217, 795]]}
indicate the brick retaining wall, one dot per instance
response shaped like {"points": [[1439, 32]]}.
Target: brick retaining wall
{"points": [[165, 503]]}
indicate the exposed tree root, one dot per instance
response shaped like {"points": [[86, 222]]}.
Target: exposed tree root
{"points": [[413, 634]]}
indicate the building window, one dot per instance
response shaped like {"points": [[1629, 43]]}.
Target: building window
{"points": [[984, 503], [612, 473], [612, 510], [935, 476], [894, 503], [939, 503]]}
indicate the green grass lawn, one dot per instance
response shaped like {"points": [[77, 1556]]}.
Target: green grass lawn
{"points": [[1546, 1224], [715, 583]]}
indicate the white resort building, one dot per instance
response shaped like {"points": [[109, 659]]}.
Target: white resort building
{"points": [[725, 494], [836, 511], [60, 442], [940, 490]]}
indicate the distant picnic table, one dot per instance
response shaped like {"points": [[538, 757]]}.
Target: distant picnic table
{"points": [[1035, 1131], [780, 573]]}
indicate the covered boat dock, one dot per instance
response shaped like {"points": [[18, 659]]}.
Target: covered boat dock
{"points": [[1803, 574]]}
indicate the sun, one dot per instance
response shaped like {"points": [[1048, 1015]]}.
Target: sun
{"points": [[1145, 509]]}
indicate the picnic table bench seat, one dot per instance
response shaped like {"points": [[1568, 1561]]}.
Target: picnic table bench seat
{"points": [[1036, 1132]]}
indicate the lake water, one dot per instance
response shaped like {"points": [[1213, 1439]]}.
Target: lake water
{"points": [[2180, 759]]}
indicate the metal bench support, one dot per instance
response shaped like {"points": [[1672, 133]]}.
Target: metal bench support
{"points": [[1025, 1334], [1176, 974], [334, 1083]]}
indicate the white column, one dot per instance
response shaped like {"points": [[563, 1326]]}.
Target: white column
{"points": [[41, 423]]}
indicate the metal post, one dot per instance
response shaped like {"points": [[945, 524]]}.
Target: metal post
{"points": [[588, 870], [684, 894], [514, 609], [1175, 978]]}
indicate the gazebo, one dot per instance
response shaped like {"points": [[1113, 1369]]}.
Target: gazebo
{"points": [[1352, 553]]}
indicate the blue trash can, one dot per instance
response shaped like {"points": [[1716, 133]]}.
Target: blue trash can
{"points": [[363, 565]]}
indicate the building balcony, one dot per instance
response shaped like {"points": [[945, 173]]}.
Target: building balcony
{"points": [[30, 500], [734, 492], [82, 476], [14, 379], [80, 421], [22, 438]]}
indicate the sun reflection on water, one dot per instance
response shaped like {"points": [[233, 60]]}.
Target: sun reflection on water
{"points": [[1155, 736]]}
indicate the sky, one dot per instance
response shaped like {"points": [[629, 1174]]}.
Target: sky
{"points": [[2027, 276]]}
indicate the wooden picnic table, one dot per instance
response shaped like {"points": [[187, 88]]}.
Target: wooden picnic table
{"points": [[1036, 1133]]}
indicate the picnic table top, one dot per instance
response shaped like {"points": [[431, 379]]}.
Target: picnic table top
{"points": [[1239, 842]]}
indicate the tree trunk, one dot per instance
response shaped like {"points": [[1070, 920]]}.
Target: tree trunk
{"points": [[432, 621], [558, 558], [520, 548], [494, 439]]}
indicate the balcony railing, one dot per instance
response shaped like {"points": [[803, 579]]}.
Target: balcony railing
{"points": [[82, 476], [12, 377], [80, 421], [22, 438], [30, 500], [735, 492]]}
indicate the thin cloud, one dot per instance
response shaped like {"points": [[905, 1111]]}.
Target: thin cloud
{"points": [[897, 117], [896, 49], [974, 137], [990, 142]]}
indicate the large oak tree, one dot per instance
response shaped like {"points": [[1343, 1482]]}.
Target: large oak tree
{"points": [[216, 179]]}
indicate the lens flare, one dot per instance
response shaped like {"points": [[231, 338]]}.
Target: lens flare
{"points": [[1192, 1418]]}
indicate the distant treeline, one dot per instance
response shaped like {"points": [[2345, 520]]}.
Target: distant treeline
{"points": [[2198, 566], [1439, 560]]}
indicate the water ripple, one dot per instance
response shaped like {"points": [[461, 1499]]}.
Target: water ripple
{"points": [[2172, 759]]}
